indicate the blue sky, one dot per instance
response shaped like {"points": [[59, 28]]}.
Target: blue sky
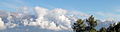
{"points": [[99, 8]]}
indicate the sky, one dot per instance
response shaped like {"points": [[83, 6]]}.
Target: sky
{"points": [[101, 9]]}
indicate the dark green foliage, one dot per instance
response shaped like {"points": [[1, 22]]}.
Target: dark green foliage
{"points": [[91, 21], [79, 21], [114, 28], [93, 30], [103, 29], [79, 26]]}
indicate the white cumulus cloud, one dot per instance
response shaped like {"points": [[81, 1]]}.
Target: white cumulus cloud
{"points": [[2, 25]]}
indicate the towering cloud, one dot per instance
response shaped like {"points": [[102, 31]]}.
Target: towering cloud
{"points": [[54, 19]]}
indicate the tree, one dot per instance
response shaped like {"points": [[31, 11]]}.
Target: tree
{"points": [[113, 27], [79, 21], [118, 30], [93, 30], [117, 27], [103, 29], [91, 21], [110, 28], [79, 26]]}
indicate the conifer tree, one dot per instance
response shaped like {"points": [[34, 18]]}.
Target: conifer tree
{"points": [[79, 26], [103, 29], [91, 21]]}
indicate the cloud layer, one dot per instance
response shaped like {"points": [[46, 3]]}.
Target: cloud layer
{"points": [[53, 20], [56, 19]]}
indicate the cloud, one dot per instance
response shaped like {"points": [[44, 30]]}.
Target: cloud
{"points": [[109, 16], [23, 10], [7, 5], [2, 25], [59, 11], [3, 13], [79, 13], [116, 9], [49, 19], [12, 4], [56, 19]]}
